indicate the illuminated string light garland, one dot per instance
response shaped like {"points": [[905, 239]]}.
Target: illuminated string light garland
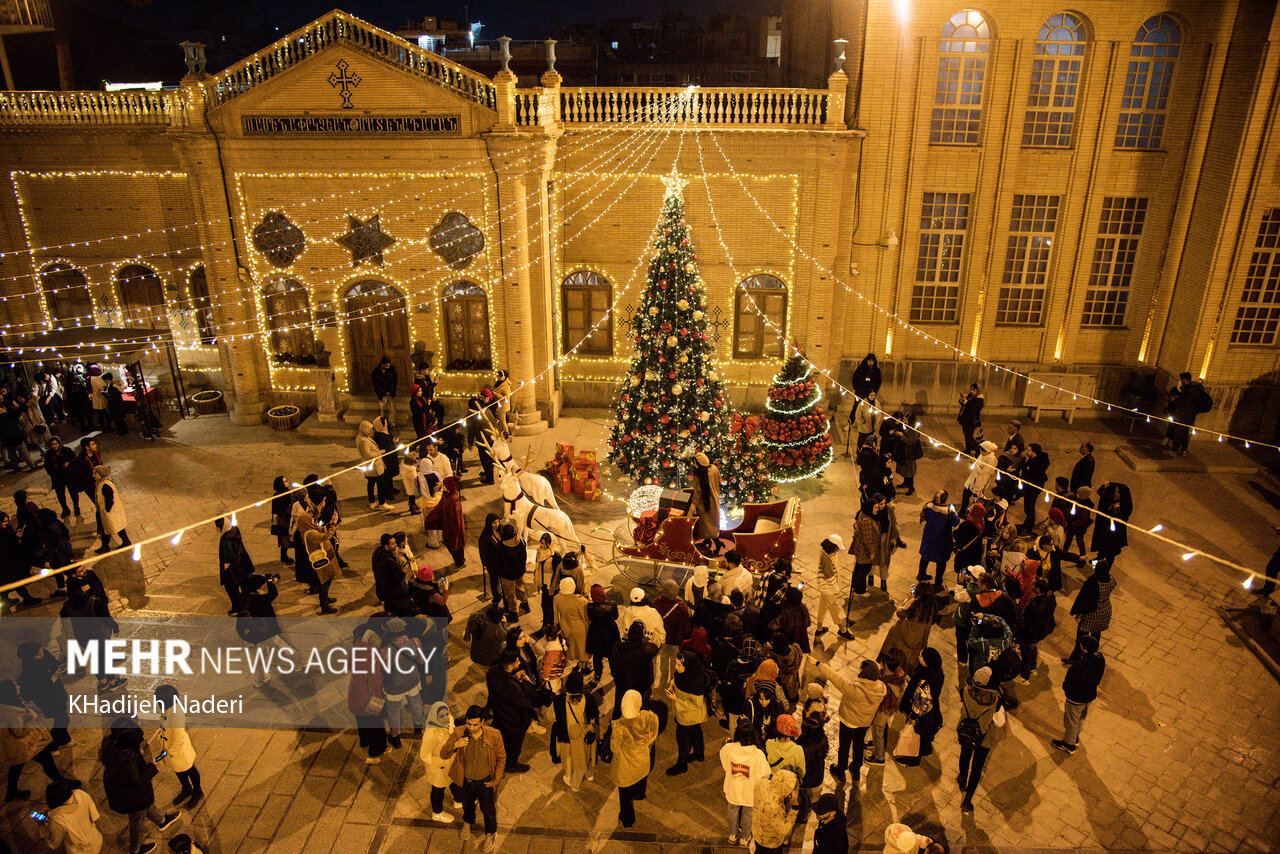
{"points": [[894, 318]]}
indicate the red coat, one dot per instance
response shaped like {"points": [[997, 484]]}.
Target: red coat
{"points": [[446, 517], [1026, 578]]}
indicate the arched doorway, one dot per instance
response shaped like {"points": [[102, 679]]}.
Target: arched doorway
{"points": [[66, 293], [377, 326], [141, 298]]}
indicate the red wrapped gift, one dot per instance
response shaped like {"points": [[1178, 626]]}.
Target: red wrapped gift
{"points": [[587, 457], [564, 451], [566, 484]]}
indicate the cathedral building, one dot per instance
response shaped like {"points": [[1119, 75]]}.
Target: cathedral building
{"points": [[1088, 196]]}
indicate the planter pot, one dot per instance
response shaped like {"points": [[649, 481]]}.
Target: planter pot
{"points": [[208, 402], [284, 417]]}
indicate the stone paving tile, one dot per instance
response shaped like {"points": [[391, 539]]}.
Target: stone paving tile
{"points": [[1180, 749]]}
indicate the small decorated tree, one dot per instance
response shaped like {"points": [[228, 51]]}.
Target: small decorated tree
{"points": [[744, 474], [795, 427], [671, 403]]}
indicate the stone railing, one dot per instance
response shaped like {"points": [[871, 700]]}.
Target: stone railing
{"points": [[341, 27], [86, 108], [26, 15], [710, 106], [527, 107]]}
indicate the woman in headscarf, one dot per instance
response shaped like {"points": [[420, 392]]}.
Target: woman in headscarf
{"points": [[706, 499], [111, 516], [910, 634], [764, 700], [490, 557], [970, 547], [574, 733], [374, 466], [387, 445], [935, 538], [570, 609], [688, 695], [602, 629], [633, 734], [446, 517], [696, 587], [699, 644], [439, 727], [420, 412], [282, 499], [922, 702], [631, 665]]}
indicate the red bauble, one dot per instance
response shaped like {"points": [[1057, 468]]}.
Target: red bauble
{"points": [[671, 266], [701, 381], [672, 431], [625, 398], [648, 407], [671, 375], [665, 419], [666, 326], [684, 241], [662, 286], [662, 283]]}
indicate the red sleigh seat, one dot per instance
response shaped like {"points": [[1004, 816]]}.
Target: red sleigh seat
{"points": [[766, 533]]}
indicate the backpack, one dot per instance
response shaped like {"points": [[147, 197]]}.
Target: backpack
{"points": [[922, 701], [969, 731], [1008, 664], [1205, 403]]}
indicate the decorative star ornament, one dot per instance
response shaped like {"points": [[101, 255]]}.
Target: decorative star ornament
{"points": [[366, 240], [675, 185]]}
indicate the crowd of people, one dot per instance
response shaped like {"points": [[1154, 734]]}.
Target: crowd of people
{"points": [[595, 671]]}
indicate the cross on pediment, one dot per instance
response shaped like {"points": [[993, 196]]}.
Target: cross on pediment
{"points": [[344, 82]]}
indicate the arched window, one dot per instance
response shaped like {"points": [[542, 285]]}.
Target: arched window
{"points": [[753, 338], [962, 69], [1146, 83], [66, 293], [1055, 81], [466, 327], [202, 305], [586, 297], [141, 297], [288, 320]]}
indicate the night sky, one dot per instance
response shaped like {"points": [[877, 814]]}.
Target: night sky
{"points": [[134, 40]]}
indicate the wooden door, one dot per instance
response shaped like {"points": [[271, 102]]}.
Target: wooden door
{"points": [[377, 326], [142, 298]]}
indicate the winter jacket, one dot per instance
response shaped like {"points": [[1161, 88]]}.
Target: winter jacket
{"points": [[513, 559], [632, 666], [369, 452], [1037, 618], [983, 652], [110, 509], [602, 627], [744, 765], [676, 620], [906, 638], [970, 414], [867, 418], [772, 816], [126, 776], [935, 538], [494, 751], [1093, 604], [71, 826], [654, 627], [384, 381], [405, 677], [1082, 472], [1083, 676], [833, 836], [1114, 499], [174, 739], [784, 754], [487, 639], [388, 580], [981, 703], [58, 464], [983, 475], [367, 683], [866, 539], [866, 379], [813, 741], [508, 700], [859, 698], [437, 767], [631, 740]]}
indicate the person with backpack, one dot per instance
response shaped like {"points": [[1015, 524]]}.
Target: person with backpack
{"points": [[991, 645], [486, 633], [732, 665], [978, 731], [1187, 400], [922, 704], [1080, 687], [127, 769], [402, 683], [1037, 624]]}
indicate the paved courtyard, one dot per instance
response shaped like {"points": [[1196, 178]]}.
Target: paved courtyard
{"points": [[1180, 753]]}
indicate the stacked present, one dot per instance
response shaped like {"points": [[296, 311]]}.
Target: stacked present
{"points": [[580, 474]]}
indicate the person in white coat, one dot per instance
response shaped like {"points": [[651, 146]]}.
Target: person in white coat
{"points": [[71, 827], [654, 629], [374, 467], [174, 741], [111, 516], [434, 735], [981, 477], [744, 763]]}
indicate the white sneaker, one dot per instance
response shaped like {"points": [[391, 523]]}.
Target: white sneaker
{"points": [[489, 842], [373, 505], [390, 508], [444, 817], [372, 760]]}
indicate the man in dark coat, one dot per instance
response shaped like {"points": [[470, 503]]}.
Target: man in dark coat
{"points": [[1110, 538], [389, 583], [126, 776], [1187, 399], [384, 388], [1082, 471], [511, 704], [1081, 688], [234, 564]]}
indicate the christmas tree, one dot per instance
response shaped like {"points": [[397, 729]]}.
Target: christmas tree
{"points": [[794, 426], [671, 404], [744, 473]]}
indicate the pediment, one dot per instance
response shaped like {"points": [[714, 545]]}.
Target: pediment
{"points": [[342, 77]]}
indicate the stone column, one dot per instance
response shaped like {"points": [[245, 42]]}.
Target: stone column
{"points": [[230, 286]]}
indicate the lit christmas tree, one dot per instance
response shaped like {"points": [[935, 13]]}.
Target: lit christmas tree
{"points": [[672, 402], [794, 426], [744, 474]]}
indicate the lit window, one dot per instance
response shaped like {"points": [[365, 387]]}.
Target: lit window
{"points": [[202, 305], [288, 320], [935, 296], [753, 338], [66, 293], [1026, 261], [1107, 297], [466, 328], [1055, 81], [585, 298], [962, 68], [1146, 83], [1259, 314], [141, 297]]}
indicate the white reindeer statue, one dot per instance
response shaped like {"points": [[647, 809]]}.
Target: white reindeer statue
{"points": [[525, 514], [537, 487]]}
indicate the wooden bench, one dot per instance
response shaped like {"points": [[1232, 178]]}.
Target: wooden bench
{"points": [[1061, 392]]}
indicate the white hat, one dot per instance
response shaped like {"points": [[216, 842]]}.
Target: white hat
{"points": [[631, 704], [982, 676], [990, 446], [637, 595], [835, 538], [568, 585]]}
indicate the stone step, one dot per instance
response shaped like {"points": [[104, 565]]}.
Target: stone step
{"points": [[531, 424], [340, 430], [1202, 458]]}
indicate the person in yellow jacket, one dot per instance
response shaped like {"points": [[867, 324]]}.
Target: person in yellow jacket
{"points": [[177, 744], [633, 734]]}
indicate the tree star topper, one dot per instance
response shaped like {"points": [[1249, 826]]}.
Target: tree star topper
{"points": [[675, 184], [366, 240]]}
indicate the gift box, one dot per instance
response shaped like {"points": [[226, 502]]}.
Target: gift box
{"points": [[564, 451], [674, 499], [566, 484], [593, 491], [587, 457]]}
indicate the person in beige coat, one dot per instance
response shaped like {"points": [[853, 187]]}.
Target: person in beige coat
{"points": [[860, 698], [705, 481], [177, 744], [773, 813], [570, 609], [374, 466], [434, 735], [633, 733]]}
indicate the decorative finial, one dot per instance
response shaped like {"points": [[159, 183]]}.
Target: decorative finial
{"points": [[674, 184], [551, 54], [193, 54], [840, 45], [504, 42]]}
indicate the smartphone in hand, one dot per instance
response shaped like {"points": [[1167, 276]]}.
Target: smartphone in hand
{"points": [[162, 755], [39, 816]]}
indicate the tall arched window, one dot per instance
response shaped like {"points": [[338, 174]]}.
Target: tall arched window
{"points": [[962, 69], [66, 293], [142, 297], [1146, 84], [753, 338], [586, 297], [202, 305], [1055, 81], [466, 327], [288, 320]]}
